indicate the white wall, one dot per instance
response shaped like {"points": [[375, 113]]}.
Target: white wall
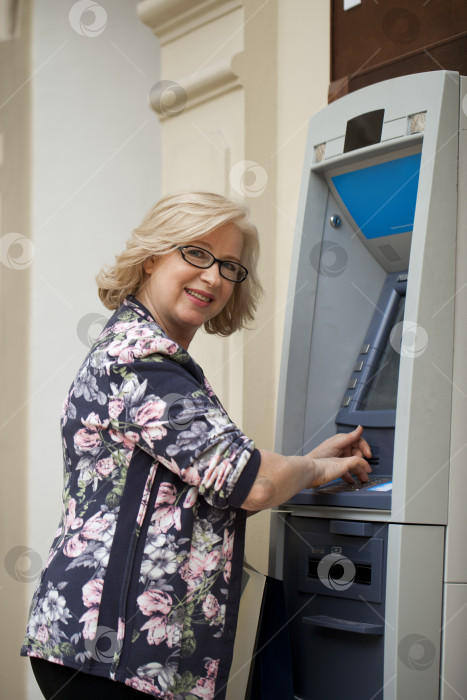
{"points": [[96, 171]]}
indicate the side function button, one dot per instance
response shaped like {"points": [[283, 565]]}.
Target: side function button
{"points": [[352, 384], [365, 349], [345, 401], [358, 367]]}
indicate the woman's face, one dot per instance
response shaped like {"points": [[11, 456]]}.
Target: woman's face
{"points": [[172, 283]]}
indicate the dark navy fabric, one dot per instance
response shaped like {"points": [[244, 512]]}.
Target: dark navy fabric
{"points": [[142, 583]]}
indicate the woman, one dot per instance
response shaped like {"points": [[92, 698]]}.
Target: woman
{"points": [[140, 592]]}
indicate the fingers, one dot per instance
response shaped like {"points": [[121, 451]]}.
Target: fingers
{"points": [[343, 445], [328, 469], [348, 478], [359, 468], [364, 447], [354, 444]]}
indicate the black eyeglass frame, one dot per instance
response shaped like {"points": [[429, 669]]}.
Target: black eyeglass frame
{"points": [[214, 260]]}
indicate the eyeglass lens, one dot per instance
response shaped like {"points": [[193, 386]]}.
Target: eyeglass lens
{"points": [[202, 258]]}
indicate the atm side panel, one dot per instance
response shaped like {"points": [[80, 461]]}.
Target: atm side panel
{"points": [[413, 617]]}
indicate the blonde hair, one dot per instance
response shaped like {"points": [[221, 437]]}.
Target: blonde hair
{"points": [[175, 220]]}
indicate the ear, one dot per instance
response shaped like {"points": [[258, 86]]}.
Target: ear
{"points": [[149, 265]]}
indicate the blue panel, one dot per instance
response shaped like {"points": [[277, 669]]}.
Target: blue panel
{"points": [[381, 198]]}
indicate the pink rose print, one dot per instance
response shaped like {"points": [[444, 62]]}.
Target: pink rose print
{"points": [[150, 411], [71, 521], [227, 571], [170, 464], [154, 601], [211, 606], [120, 629], [212, 560], [92, 592], [94, 527], [156, 627], [90, 623], [104, 467], [121, 349], [167, 493], [116, 406], [188, 576], [74, 547], [153, 431], [122, 327], [145, 499], [166, 517], [86, 440], [143, 685], [227, 546], [195, 568], [128, 439], [225, 468], [204, 688], [191, 476], [167, 346], [211, 666], [216, 473], [137, 332], [174, 635], [191, 497], [146, 346], [94, 422], [43, 634]]}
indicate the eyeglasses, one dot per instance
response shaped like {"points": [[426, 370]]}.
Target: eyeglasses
{"points": [[230, 270]]}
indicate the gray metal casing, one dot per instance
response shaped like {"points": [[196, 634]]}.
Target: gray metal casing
{"points": [[328, 313]]}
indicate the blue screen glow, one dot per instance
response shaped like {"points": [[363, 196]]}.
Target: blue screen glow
{"points": [[381, 198]]}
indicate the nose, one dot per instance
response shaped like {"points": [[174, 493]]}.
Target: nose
{"points": [[211, 275]]}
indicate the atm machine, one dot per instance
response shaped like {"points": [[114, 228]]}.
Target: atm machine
{"points": [[375, 574]]}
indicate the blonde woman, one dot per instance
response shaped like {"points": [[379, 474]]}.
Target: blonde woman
{"points": [[141, 590]]}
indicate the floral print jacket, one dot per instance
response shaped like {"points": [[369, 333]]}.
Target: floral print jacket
{"points": [[142, 583]]}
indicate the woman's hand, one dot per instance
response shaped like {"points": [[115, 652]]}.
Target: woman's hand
{"points": [[329, 465], [343, 445], [279, 478]]}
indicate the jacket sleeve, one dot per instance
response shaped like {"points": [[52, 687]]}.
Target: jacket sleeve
{"points": [[159, 406]]}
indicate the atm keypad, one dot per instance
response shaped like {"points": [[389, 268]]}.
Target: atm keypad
{"points": [[342, 486]]}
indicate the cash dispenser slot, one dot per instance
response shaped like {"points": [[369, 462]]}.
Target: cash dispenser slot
{"points": [[335, 623], [362, 573]]}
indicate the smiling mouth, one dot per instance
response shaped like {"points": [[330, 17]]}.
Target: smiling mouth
{"points": [[198, 295]]}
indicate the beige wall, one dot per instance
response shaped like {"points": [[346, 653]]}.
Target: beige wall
{"points": [[242, 79], [15, 256]]}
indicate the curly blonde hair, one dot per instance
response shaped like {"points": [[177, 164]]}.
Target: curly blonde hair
{"points": [[178, 219]]}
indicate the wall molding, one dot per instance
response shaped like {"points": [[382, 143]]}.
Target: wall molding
{"points": [[171, 19], [169, 98]]}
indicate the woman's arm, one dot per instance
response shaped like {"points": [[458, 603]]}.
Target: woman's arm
{"points": [[279, 478]]}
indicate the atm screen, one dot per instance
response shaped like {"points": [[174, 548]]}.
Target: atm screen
{"points": [[381, 198], [382, 388]]}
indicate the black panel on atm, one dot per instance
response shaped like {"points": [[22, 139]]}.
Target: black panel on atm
{"points": [[364, 130]]}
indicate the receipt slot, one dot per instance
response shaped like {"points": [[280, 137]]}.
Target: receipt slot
{"points": [[375, 335]]}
